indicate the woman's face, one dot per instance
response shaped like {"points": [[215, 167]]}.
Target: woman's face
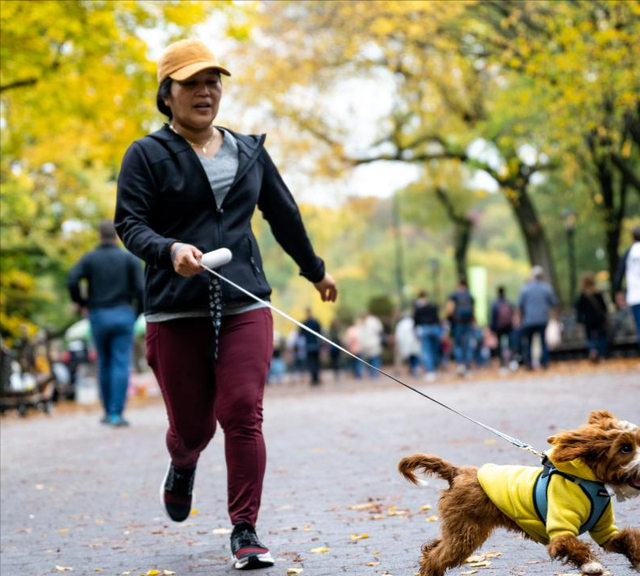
{"points": [[194, 102]]}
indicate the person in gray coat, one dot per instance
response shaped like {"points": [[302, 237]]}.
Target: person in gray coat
{"points": [[536, 303]]}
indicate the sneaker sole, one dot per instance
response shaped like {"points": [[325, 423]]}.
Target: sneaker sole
{"points": [[253, 562], [161, 496]]}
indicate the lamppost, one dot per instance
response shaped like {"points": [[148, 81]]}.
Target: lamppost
{"points": [[398, 245], [570, 227], [435, 277]]}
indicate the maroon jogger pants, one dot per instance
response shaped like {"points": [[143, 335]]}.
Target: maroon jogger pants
{"points": [[198, 392]]}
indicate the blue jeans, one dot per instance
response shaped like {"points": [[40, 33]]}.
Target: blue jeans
{"points": [[635, 310], [429, 335], [527, 334], [462, 334], [597, 340], [375, 361], [112, 330]]}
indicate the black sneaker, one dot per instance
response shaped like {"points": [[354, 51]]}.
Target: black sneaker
{"points": [[176, 492], [247, 551]]}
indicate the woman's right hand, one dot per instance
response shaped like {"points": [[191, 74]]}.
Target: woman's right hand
{"points": [[186, 259]]}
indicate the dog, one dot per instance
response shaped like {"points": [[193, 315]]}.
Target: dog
{"points": [[582, 471]]}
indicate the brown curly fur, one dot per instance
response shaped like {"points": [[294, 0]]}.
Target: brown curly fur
{"points": [[468, 516]]}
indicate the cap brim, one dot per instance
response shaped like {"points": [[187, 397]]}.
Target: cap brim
{"points": [[191, 69]]}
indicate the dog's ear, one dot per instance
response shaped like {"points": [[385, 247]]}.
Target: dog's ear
{"points": [[602, 418], [587, 442]]}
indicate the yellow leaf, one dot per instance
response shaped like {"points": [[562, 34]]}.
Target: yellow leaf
{"points": [[64, 530], [362, 506], [474, 559], [64, 568], [320, 550], [468, 572], [153, 572], [433, 518], [194, 511], [360, 537], [295, 570], [483, 564], [373, 563], [425, 507], [492, 554]]}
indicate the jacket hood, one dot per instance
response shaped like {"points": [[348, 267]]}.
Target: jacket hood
{"points": [[577, 467]]}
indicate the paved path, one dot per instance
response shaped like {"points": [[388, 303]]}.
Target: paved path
{"points": [[77, 495]]}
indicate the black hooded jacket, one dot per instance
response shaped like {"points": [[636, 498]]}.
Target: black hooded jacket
{"points": [[164, 196]]}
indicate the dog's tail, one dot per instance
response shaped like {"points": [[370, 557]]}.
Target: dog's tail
{"points": [[429, 464]]}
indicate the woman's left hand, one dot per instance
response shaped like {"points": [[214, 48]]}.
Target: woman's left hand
{"points": [[327, 288]]}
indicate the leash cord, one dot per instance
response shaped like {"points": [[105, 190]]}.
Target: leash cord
{"points": [[502, 435]]}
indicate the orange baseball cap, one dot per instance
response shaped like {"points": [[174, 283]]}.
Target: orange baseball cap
{"points": [[185, 58]]}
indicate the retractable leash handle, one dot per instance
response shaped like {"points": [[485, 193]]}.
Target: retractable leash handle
{"points": [[223, 256]]}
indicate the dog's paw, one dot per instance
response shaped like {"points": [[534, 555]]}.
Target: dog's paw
{"points": [[592, 568]]}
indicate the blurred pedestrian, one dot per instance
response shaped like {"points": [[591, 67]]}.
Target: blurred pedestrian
{"points": [[278, 367], [461, 315], [407, 343], [352, 344], [591, 310], [114, 299], [629, 272], [335, 356], [189, 188], [429, 332], [502, 317], [312, 347], [537, 302], [370, 340]]}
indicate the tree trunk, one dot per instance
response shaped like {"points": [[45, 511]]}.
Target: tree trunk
{"points": [[462, 228], [462, 238], [533, 233]]}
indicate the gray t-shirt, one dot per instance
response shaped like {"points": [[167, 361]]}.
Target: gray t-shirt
{"points": [[535, 302], [221, 171]]}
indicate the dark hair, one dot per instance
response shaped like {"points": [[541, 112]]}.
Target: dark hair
{"points": [[462, 281], [501, 290], [164, 90], [636, 233], [107, 230]]}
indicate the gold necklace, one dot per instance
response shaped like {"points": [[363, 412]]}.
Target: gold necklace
{"points": [[203, 147]]}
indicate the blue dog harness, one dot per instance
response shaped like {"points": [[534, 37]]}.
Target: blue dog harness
{"points": [[596, 492]]}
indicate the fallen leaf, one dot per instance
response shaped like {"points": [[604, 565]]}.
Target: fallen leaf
{"points": [[320, 550], [474, 559], [194, 511], [492, 554], [433, 518], [39, 486], [373, 563], [168, 572], [468, 572], [97, 569], [482, 564], [359, 537], [220, 531], [363, 506], [64, 530], [153, 572], [425, 507], [64, 568], [295, 570], [99, 521]]}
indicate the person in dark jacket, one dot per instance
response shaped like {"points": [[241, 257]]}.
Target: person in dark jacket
{"points": [[591, 310], [114, 299], [185, 190]]}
